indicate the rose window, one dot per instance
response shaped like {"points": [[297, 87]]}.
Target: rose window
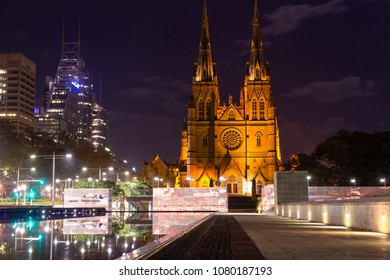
{"points": [[231, 139]]}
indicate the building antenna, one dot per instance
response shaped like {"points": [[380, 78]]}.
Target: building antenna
{"points": [[79, 39], [63, 32], [100, 89]]}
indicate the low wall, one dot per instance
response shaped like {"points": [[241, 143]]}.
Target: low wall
{"points": [[94, 197], [369, 214], [190, 199], [328, 193]]}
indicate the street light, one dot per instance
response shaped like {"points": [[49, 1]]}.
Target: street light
{"points": [[117, 173], [32, 169], [100, 171], [17, 194], [158, 181], [53, 157], [93, 182], [223, 180], [189, 180], [308, 180], [383, 180], [353, 181]]}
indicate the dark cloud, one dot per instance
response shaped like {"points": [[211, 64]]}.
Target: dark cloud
{"points": [[290, 17], [334, 91], [162, 92], [145, 135], [149, 115], [139, 93]]}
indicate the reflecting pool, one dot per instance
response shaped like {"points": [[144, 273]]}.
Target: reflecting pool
{"points": [[104, 237]]}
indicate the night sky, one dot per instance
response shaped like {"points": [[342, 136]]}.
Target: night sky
{"points": [[329, 62]]}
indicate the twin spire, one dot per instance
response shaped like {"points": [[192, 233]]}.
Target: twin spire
{"points": [[257, 67], [204, 70]]}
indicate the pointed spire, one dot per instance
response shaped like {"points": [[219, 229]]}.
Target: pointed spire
{"points": [[257, 66], [204, 69]]}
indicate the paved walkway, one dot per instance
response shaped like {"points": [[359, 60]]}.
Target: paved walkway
{"points": [[281, 238], [219, 238], [246, 236]]}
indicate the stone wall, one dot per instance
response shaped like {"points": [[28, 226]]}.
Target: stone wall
{"points": [[190, 199], [93, 197], [290, 186]]}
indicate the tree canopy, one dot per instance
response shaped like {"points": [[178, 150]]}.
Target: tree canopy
{"points": [[347, 155]]}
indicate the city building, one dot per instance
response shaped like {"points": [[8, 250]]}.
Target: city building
{"points": [[17, 91], [230, 145], [68, 97], [99, 127]]}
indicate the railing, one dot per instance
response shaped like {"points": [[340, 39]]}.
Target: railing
{"points": [[141, 192]]}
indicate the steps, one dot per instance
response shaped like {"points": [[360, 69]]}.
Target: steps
{"points": [[241, 203]]}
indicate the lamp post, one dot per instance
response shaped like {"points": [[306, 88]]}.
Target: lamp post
{"points": [[308, 180], [117, 173], [101, 173], [53, 157], [223, 180], [353, 181], [127, 173], [158, 181], [84, 169], [93, 181], [189, 180], [32, 169], [383, 180], [17, 194]]}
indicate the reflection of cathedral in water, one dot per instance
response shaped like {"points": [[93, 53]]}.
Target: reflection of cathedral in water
{"points": [[230, 145]]}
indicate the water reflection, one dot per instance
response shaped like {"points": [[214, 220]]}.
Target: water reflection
{"points": [[111, 236]]}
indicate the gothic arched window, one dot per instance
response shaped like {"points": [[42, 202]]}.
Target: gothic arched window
{"points": [[254, 109], [201, 110], [262, 110], [258, 139]]}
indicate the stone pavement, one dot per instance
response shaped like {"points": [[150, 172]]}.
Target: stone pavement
{"points": [[219, 238], [247, 236], [281, 238]]}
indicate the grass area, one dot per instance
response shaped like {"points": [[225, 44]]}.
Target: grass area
{"points": [[40, 202]]}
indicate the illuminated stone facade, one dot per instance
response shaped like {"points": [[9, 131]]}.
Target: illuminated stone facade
{"points": [[230, 145]]}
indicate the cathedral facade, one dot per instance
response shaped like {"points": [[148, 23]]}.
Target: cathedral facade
{"points": [[231, 145]]}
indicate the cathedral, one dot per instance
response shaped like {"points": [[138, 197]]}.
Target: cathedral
{"points": [[231, 145]]}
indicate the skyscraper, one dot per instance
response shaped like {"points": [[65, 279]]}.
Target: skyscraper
{"points": [[17, 91], [234, 146], [69, 97], [99, 127]]}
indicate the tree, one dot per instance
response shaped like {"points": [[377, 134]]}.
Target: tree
{"points": [[12, 152], [347, 155]]}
